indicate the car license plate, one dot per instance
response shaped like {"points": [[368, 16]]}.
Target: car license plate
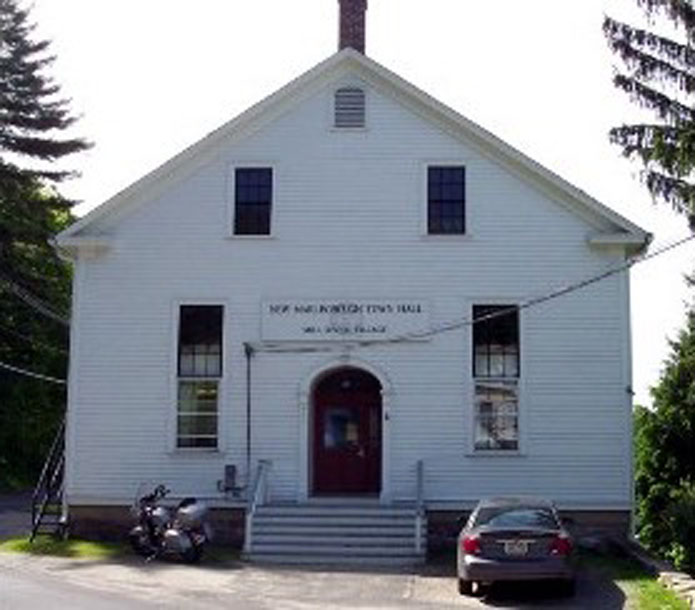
{"points": [[516, 547]]}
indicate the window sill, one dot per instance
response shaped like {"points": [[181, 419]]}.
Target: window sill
{"points": [[518, 453], [348, 129], [199, 451], [249, 237], [446, 236]]}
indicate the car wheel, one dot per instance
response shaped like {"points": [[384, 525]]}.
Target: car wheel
{"points": [[465, 586]]}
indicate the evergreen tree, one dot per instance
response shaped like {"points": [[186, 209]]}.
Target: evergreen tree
{"points": [[665, 456], [32, 119], [658, 72], [30, 409], [31, 111]]}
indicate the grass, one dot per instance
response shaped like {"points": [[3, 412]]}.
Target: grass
{"points": [[646, 592], [48, 545], [85, 549]]}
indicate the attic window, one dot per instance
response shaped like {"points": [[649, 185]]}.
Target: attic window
{"points": [[349, 108]]}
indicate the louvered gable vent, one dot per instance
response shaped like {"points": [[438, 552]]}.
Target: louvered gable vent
{"points": [[349, 107]]}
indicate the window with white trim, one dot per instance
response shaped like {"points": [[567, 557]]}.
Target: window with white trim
{"points": [[446, 200], [199, 371], [253, 200], [496, 372], [350, 108]]}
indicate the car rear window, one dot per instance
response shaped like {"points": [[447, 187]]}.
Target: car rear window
{"points": [[517, 516]]}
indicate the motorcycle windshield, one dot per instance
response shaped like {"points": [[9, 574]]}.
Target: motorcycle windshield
{"points": [[144, 488]]}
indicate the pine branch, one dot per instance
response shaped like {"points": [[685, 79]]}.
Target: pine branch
{"points": [[677, 192], [681, 12], [672, 148], [619, 34], [635, 138], [39, 148], [647, 67], [667, 108], [30, 109]]}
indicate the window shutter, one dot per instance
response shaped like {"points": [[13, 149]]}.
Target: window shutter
{"points": [[349, 108]]}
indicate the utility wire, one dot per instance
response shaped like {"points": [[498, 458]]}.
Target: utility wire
{"points": [[452, 325], [34, 301], [26, 373], [467, 321]]}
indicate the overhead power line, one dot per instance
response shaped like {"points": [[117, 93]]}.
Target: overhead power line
{"points": [[26, 373], [33, 301], [469, 321], [448, 326]]}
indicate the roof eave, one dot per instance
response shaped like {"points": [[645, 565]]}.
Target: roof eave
{"points": [[633, 243], [71, 248]]}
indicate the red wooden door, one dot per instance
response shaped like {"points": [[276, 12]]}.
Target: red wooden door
{"points": [[347, 434]]}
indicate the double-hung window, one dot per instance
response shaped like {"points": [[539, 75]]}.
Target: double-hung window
{"points": [[496, 377], [253, 200], [446, 199], [199, 375]]}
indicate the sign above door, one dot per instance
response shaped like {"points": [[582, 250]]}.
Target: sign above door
{"points": [[342, 319]]}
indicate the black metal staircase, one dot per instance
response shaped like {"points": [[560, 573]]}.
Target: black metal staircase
{"points": [[47, 502]]}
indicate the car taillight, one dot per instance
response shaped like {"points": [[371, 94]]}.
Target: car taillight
{"points": [[470, 545], [561, 545]]}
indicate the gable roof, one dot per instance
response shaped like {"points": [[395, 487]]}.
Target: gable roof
{"points": [[625, 232]]}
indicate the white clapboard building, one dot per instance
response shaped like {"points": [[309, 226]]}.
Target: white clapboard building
{"points": [[280, 319]]}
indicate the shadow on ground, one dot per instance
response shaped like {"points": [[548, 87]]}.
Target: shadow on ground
{"points": [[595, 590]]}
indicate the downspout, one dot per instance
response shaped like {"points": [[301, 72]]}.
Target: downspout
{"points": [[248, 351]]}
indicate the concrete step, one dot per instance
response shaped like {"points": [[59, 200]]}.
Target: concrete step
{"points": [[333, 520], [362, 541], [350, 510], [312, 529], [333, 551], [321, 560], [369, 534]]}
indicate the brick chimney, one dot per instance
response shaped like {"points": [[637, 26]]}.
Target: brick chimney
{"points": [[352, 24]]}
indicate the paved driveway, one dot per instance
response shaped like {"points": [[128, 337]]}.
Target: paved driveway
{"points": [[237, 585], [130, 583]]}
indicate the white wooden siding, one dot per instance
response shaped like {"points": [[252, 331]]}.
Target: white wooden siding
{"points": [[347, 223]]}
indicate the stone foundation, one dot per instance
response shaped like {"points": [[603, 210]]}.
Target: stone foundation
{"points": [[112, 524]]}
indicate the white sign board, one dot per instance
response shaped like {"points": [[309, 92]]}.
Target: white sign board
{"points": [[342, 320]]}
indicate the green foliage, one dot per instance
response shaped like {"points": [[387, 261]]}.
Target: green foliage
{"points": [[658, 73], [665, 457], [48, 545], [30, 409], [680, 516], [642, 588], [32, 117]]}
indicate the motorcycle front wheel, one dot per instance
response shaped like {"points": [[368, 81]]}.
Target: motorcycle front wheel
{"points": [[140, 544]]}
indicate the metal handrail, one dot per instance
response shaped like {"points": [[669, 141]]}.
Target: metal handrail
{"points": [[50, 483], [419, 504], [257, 497]]}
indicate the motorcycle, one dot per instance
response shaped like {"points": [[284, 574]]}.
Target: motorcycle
{"points": [[158, 534]]}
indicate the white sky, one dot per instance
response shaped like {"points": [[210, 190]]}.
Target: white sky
{"points": [[151, 77]]}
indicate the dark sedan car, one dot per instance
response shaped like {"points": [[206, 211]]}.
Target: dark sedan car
{"points": [[514, 539]]}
